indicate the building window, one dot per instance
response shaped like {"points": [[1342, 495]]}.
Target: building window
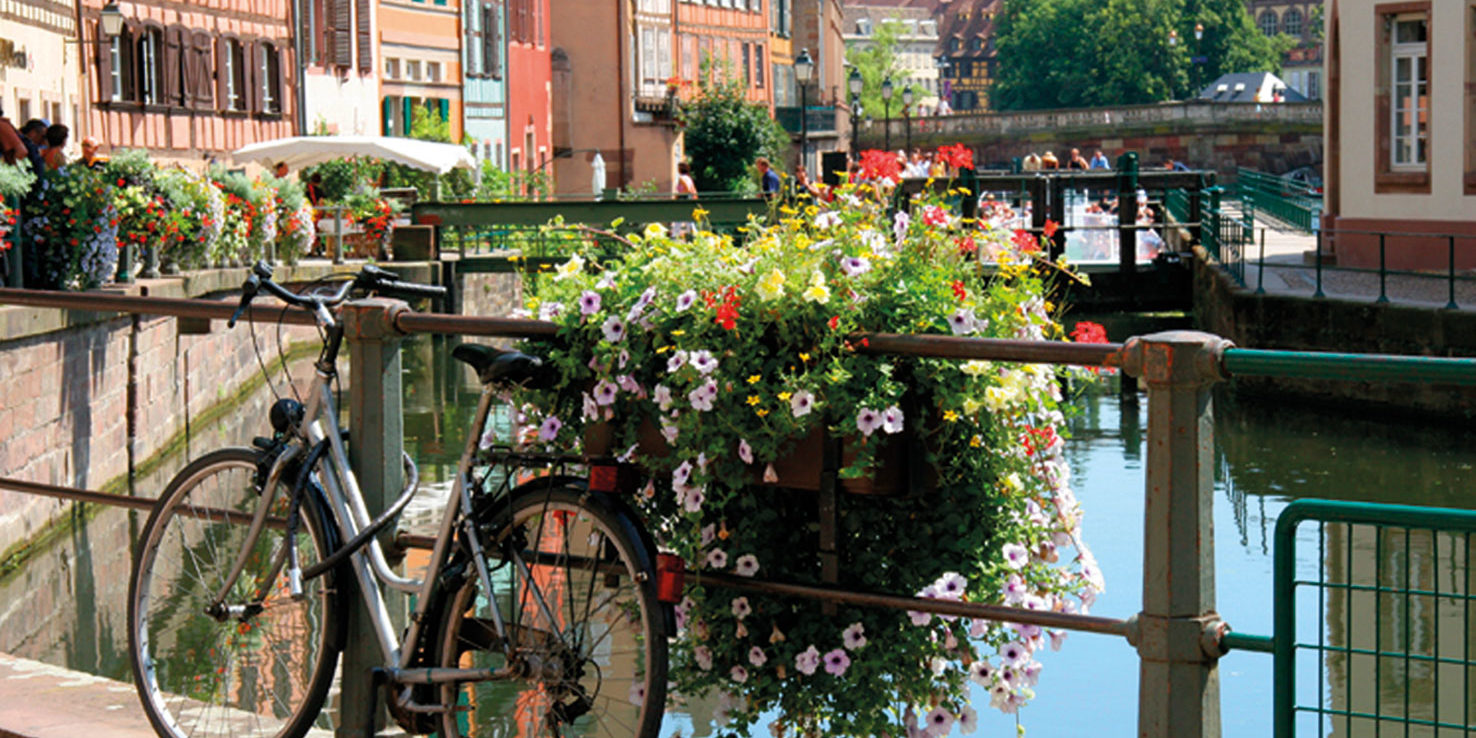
{"points": [[269, 78], [758, 65], [747, 65], [1410, 106], [1291, 22], [115, 69], [1314, 86], [149, 65], [412, 70], [233, 74], [433, 71], [1268, 22], [1402, 98], [391, 68]]}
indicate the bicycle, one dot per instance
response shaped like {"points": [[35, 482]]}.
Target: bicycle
{"points": [[537, 613]]}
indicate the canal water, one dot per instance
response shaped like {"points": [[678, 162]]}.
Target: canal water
{"points": [[67, 605]]}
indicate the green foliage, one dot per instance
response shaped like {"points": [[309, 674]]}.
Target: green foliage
{"points": [[499, 184], [132, 166], [1117, 52], [343, 176], [16, 179], [876, 62], [725, 133]]}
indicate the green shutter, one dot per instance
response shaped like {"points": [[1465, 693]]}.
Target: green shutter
{"points": [[445, 109], [386, 126], [409, 106]]}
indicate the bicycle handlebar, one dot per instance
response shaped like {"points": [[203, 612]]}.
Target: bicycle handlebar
{"points": [[369, 279]]}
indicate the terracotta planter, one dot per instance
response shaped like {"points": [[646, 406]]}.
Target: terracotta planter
{"points": [[901, 468]]}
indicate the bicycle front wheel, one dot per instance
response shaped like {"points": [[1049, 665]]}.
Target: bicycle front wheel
{"points": [[263, 669], [576, 589]]}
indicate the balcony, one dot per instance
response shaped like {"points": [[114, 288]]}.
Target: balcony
{"points": [[818, 119]]}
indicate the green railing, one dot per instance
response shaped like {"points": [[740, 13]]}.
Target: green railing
{"points": [[1280, 198], [1390, 638], [1224, 237], [515, 236]]}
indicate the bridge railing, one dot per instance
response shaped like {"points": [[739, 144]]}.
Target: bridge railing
{"points": [[1283, 199], [1377, 283], [1178, 633]]}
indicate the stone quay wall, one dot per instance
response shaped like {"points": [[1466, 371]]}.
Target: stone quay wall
{"points": [[85, 398], [1325, 324]]}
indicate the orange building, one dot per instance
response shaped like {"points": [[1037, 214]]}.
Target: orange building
{"points": [[420, 52], [734, 34], [190, 81]]}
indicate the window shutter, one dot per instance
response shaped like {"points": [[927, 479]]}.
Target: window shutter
{"points": [[105, 68], [470, 36], [202, 98], [407, 105], [343, 42], [222, 68], [252, 52], [275, 79], [171, 66], [445, 110], [366, 37], [387, 121], [491, 42]]}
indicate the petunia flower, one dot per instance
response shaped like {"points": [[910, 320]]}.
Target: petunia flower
{"points": [[854, 636], [868, 420], [801, 403], [703, 656], [757, 657], [703, 361], [968, 720], [685, 300], [738, 674], [771, 286], [950, 586], [853, 266], [963, 322], [682, 474], [550, 310], [637, 694], [614, 329], [892, 419], [836, 662], [1016, 556], [1013, 653], [745, 451], [589, 303], [939, 721], [550, 429], [573, 266], [807, 661], [741, 608], [677, 361], [817, 292], [746, 566], [827, 220], [703, 397], [605, 392], [981, 672], [717, 559]]}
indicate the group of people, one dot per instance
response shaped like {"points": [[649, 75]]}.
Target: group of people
{"points": [[43, 144], [1034, 162]]}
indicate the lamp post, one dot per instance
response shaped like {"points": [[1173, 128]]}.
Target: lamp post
{"points": [[803, 68], [1199, 58], [907, 115], [855, 84], [886, 91], [111, 21]]}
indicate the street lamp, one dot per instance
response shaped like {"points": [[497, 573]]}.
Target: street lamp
{"points": [[886, 91], [907, 115], [855, 84], [804, 66]]}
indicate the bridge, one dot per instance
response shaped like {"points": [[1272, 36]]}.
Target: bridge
{"points": [[1273, 137]]}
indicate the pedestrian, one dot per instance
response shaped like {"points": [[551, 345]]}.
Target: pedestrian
{"points": [[1049, 161], [314, 189], [33, 135], [802, 184], [90, 156], [1099, 161], [280, 171], [1077, 161], [686, 189], [1031, 162], [768, 178], [12, 149], [54, 155]]}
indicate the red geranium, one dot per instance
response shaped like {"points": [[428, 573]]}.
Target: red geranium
{"points": [[957, 156], [1089, 332], [880, 165], [1025, 242]]}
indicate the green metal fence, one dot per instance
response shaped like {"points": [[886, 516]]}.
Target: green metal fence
{"points": [[1283, 199], [1223, 236], [1375, 601]]}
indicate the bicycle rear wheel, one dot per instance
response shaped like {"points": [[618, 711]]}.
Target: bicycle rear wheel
{"points": [[199, 675], [583, 617]]}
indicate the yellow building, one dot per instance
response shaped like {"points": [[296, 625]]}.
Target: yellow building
{"points": [[1302, 65]]}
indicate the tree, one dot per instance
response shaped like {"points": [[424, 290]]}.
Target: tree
{"points": [[878, 61], [1092, 53], [725, 133]]}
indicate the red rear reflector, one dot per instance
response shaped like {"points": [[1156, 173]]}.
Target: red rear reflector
{"points": [[604, 478], [671, 578]]}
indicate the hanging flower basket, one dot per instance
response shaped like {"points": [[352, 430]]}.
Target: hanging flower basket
{"points": [[725, 364]]}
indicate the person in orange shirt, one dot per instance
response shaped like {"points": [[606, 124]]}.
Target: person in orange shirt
{"points": [[56, 143], [90, 156]]}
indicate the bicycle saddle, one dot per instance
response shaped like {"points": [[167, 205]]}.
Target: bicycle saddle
{"points": [[498, 366]]}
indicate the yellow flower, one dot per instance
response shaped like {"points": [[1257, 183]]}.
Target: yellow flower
{"points": [[678, 333], [664, 349], [573, 266], [760, 412], [817, 291], [655, 230], [950, 416], [699, 213], [976, 442], [753, 399], [784, 396], [972, 406], [771, 287], [755, 379], [804, 356], [974, 368]]}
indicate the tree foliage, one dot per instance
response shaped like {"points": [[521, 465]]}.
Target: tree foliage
{"points": [[877, 61], [725, 132], [1091, 53]]}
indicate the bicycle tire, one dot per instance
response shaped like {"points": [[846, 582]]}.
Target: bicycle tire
{"points": [[265, 675], [613, 652]]}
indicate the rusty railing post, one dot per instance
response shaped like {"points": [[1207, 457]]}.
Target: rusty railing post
{"points": [[376, 428], [1177, 633]]}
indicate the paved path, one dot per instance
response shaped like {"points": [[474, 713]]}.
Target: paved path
{"points": [[42, 701], [1290, 270]]}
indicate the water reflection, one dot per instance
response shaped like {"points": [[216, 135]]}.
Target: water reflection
{"points": [[68, 605]]}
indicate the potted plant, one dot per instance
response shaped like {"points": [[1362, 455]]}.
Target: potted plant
{"points": [[710, 360]]}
